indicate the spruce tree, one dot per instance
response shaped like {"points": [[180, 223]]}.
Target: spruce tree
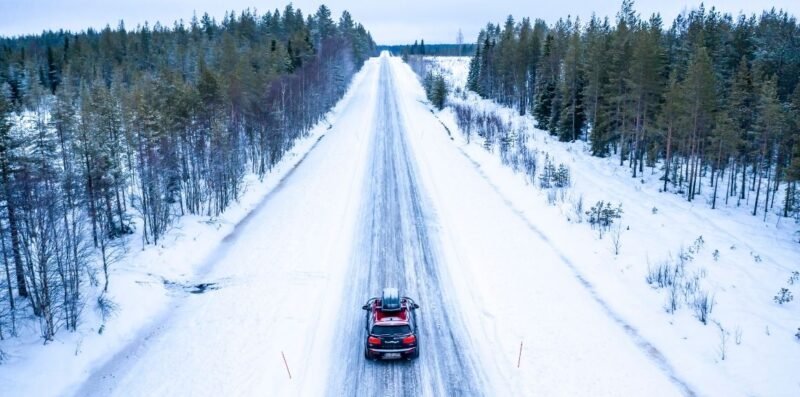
{"points": [[700, 90], [742, 102], [792, 173], [768, 125], [595, 72], [546, 85], [672, 121], [646, 83], [570, 126], [722, 145]]}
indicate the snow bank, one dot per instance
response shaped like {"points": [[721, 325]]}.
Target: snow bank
{"points": [[740, 260], [148, 285]]}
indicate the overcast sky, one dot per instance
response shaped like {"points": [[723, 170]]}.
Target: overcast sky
{"points": [[391, 22]]}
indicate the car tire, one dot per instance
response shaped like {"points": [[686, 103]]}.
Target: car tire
{"points": [[414, 355]]}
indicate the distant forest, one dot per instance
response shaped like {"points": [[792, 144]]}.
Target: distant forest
{"points": [[420, 48], [103, 133], [710, 97]]}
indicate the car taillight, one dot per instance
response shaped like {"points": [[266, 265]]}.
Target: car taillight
{"points": [[373, 340], [409, 339]]}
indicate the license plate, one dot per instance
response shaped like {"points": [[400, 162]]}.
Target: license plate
{"points": [[391, 355]]}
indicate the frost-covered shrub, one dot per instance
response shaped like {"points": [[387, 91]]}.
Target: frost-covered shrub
{"points": [[548, 173], [690, 287], [435, 89], [783, 296], [552, 176], [698, 244], [106, 307], [602, 215], [528, 162], [685, 255], [672, 298], [507, 155], [703, 305], [552, 197], [663, 275], [682, 288], [577, 207], [795, 277], [562, 177], [465, 118]]}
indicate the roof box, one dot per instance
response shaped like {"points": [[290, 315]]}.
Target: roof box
{"points": [[390, 301]]}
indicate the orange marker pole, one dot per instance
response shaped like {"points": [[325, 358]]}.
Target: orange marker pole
{"points": [[287, 365]]}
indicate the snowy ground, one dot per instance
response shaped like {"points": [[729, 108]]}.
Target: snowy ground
{"points": [[150, 286], [388, 196], [742, 262]]}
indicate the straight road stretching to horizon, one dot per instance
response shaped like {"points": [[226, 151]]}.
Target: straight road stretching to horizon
{"points": [[385, 199]]}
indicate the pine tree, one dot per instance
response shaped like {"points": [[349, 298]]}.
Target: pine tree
{"points": [[742, 102], [161, 120], [546, 84], [522, 69], [768, 125], [792, 173], [572, 116], [594, 68], [617, 109], [7, 145], [699, 88], [646, 83], [722, 145], [671, 122], [656, 95], [473, 76]]}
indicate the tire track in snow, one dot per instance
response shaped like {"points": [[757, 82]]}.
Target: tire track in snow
{"points": [[393, 248]]}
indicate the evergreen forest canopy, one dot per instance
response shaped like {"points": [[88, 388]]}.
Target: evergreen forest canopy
{"points": [[106, 132], [420, 48], [711, 96]]}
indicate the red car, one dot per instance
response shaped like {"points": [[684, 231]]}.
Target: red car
{"points": [[391, 327]]}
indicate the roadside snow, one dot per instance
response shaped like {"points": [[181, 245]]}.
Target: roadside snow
{"points": [[740, 260], [531, 280], [515, 288], [147, 286]]}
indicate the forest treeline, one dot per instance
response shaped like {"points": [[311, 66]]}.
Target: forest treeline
{"points": [[103, 133], [420, 48], [711, 100]]}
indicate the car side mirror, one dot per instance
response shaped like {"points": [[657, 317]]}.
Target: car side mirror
{"points": [[365, 307], [416, 306]]}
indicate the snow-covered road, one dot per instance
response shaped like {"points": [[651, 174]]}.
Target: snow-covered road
{"points": [[386, 198], [393, 247]]}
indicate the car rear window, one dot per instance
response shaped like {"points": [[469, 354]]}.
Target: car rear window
{"points": [[391, 330]]}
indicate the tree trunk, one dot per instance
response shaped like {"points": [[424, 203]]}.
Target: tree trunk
{"points": [[758, 189], [767, 190], [716, 181], [9, 286], [744, 180], [13, 227], [668, 153]]}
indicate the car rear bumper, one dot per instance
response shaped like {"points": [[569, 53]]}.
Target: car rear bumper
{"points": [[383, 351], [393, 353]]}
